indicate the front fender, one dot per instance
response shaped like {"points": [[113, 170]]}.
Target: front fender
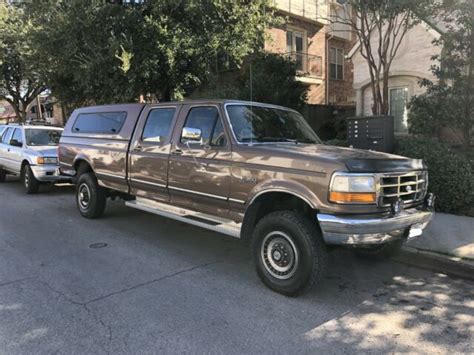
{"points": [[286, 186]]}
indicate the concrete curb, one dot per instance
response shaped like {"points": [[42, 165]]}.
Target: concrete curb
{"points": [[449, 265]]}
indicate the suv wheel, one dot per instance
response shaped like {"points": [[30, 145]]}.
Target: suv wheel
{"points": [[29, 181], [90, 197], [382, 251], [289, 252], [3, 175]]}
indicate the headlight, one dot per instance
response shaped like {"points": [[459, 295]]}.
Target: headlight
{"points": [[347, 188], [47, 160]]}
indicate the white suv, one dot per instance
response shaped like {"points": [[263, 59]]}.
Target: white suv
{"points": [[31, 152]]}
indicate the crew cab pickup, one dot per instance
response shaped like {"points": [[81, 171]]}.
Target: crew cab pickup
{"points": [[249, 170]]}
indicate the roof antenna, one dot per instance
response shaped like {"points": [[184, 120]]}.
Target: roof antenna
{"points": [[251, 83]]}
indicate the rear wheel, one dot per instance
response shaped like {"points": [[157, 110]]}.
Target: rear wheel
{"points": [[382, 251], [289, 253], [3, 175], [91, 198], [29, 181]]}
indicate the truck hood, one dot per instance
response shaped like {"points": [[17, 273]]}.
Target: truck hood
{"points": [[45, 151], [355, 160]]}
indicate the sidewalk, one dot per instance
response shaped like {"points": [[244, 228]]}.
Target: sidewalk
{"points": [[447, 245]]}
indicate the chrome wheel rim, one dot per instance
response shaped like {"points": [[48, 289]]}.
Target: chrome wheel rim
{"points": [[279, 255], [84, 196], [26, 178]]}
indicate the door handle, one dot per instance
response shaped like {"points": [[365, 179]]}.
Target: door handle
{"points": [[177, 152], [138, 148]]}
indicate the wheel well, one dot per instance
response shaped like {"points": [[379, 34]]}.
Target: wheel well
{"points": [[81, 167], [271, 202], [23, 163]]}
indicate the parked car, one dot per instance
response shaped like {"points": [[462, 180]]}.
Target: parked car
{"points": [[249, 170], [31, 152]]}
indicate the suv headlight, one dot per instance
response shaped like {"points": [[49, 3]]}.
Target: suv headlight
{"points": [[47, 160], [352, 188]]}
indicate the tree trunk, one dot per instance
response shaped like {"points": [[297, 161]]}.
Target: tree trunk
{"points": [[384, 110]]}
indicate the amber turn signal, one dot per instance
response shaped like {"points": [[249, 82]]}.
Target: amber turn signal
{"points": [[351, 197]]}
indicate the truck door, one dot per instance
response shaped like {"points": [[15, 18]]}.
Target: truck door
{"points": [[5, 147], [199, 169], [149, 153], [14, 153]]}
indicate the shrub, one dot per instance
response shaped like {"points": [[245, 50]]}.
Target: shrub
{"points": [[451, 175]]}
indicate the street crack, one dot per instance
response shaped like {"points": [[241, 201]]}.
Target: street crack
{"points": [[150, 282]]}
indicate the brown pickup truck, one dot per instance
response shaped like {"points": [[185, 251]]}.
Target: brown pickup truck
{"points": [[250, 170]]}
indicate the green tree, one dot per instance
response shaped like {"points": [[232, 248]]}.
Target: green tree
{"points": [[380, 27], [450, 100], [20, 67], [272, 78], [104, 53], [265, 77]]}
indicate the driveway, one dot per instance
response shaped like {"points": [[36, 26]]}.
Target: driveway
{"points": [[132, 282]]}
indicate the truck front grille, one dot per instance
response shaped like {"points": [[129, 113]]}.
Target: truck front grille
{"points": [[411, 188]]}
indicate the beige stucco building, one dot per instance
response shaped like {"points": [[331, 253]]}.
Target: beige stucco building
{"points": [[411, 64]]}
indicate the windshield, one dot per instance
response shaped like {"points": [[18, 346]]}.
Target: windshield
{"points": [[41, 137], [268, 124]]}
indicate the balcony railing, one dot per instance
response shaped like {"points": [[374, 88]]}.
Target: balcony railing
{"points": [[307, 64], [304, 8]]}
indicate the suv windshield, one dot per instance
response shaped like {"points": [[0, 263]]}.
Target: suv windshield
{"points": [[39, 137], [268, 124]]}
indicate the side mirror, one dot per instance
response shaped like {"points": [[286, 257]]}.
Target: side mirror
{"points": [[191, 135], [15, 143]]}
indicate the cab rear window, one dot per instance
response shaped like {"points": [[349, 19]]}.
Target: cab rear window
{"points": [[99, 122]]}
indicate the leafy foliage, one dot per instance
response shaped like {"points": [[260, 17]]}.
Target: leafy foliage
{"points": [[20, 67], [265, 77], [450, 100], [272, 78], [105, 53], [380, 27], [451, 175]]}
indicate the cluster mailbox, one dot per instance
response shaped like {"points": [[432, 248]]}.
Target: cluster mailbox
{"points": [[374, 132]]}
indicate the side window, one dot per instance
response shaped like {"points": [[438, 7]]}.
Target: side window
{"points": [[17, 135], [158, 125], [218, 136], [207, 120], [7, 136], [100, 122]]}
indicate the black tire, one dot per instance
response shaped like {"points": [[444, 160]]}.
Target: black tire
{"points": [[28, 180], [292, 243], [380, 252], [3, 175], [90, 197]]}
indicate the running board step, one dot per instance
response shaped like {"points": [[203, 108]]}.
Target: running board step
{"points": [[217, 224]]}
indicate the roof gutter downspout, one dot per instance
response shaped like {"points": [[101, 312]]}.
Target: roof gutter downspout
{"points": [[327, 67]]}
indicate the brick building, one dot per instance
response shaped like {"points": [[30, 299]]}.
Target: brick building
{"points": [[318, 47]]}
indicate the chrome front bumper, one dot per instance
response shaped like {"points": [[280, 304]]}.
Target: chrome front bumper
{"points": [[48, 173], [362, 231]]}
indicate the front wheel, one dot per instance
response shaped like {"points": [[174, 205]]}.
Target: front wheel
{"points": [[91, 198], [29, 181], [289, 252], [3, 175]]}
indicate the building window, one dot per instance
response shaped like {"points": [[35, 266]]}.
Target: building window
{"points": [[398, 109], [295, 47], [336, 63]]}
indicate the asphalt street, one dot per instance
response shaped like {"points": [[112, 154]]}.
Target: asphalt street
{"points": [[133, 282]]}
